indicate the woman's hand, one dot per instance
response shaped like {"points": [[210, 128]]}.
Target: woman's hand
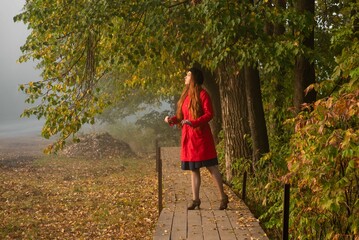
{"points": [[167, 119], [188, 122]]}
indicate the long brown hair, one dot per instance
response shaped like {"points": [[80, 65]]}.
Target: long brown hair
{"points": [[193, 90]]}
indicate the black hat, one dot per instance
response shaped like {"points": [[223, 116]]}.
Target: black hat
{"points": [[197, 75]]}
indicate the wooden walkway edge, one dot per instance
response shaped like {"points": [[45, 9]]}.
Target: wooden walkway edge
{"points": [[176, 222]]}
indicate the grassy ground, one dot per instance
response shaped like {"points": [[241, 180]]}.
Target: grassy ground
{"points": [[63, 198]]}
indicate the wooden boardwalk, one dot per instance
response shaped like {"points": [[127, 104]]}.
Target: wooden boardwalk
{"points": [[176, 222]]}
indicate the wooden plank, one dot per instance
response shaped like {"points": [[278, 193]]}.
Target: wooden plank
{"points": [[238, 225], [211, 189], [224, 225], [179, 226], [256, 230], [205, 203], [209, 226], [164, 225], [181, 185], [210, 198], [195, 230]]}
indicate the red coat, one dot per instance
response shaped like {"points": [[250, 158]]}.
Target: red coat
{"points": [[197, 142]]}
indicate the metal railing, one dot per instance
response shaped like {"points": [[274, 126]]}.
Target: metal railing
{"points": [[159, 177], [285, 230]]}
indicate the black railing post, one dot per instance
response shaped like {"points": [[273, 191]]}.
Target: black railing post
{"points": [[159, 176], [286, 212], [156, 151], [244, 186]]}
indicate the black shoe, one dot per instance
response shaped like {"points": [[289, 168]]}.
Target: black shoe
{"points": [[195, 204], [224, 203]]}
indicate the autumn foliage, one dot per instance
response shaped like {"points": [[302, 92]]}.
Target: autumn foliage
{"points": [[73, 198], [324, 168], [324, 157]]}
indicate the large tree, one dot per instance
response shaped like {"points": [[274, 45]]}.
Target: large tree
{"points": [[99, 42], [257, 122], [83, 46], [234, 117], [304, 64]]}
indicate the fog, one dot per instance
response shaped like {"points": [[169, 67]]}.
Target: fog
{"points": [[12, 74], [13, 36]]}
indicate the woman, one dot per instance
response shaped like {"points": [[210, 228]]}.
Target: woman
{"points": [[194, 111]]}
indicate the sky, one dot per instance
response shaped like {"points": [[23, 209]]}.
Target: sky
{"points": [[12, 102]]}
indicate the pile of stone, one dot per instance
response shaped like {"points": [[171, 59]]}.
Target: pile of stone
{"points": [[98, 146]]}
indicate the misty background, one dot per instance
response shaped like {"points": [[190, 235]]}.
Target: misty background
{"points": [[12, 102], [140, 127]]}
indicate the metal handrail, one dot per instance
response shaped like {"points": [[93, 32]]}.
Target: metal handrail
{"points": [[285, 230], [159, 177]]}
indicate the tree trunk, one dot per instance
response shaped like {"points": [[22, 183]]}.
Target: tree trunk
{"points": [[304, 69], [213, 90], [257, 122], [234, 118], [279, 29], [268, 27], [353, 14], [277, 124]]}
